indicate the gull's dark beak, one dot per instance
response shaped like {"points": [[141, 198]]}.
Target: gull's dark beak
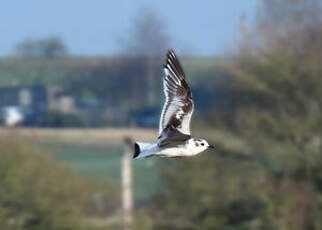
{"points": [[211, 147]]}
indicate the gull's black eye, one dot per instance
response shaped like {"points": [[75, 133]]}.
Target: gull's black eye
{"points": [[202, 144]]}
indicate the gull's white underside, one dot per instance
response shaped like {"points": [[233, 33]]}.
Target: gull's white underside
{"points": [[152, 149]]}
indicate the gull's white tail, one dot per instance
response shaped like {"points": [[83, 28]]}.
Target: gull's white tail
{"points": [[144, 149]]}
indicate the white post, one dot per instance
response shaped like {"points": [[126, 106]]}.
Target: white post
{"points": [[127, 200]]}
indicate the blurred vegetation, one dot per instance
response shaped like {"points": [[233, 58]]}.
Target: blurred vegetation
{"points": [[271, 100], [261, 108], [38, 193]]}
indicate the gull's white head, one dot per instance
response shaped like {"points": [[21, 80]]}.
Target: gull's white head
{"points": [[199, 145]]}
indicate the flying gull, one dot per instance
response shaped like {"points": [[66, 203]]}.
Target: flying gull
{"points": [[174, 139]]}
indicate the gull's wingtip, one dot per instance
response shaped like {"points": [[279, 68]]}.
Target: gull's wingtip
{"points": [[170, 58], [170, 53]]}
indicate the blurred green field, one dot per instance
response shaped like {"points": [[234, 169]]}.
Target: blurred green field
{"points": [[95, 153], [38, 71]]}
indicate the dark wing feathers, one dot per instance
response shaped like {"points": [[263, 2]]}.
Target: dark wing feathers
{"points": [[171, 137], [178, 106]]}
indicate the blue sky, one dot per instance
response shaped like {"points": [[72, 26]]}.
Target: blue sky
{"points": [[94, 27]]}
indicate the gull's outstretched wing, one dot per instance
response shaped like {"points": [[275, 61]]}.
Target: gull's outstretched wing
{"points": [[178, 106]]}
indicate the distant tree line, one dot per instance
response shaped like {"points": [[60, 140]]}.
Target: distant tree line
{"points": [[50, 47]]}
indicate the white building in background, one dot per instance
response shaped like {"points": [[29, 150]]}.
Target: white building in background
{"points": [[12, 116]]}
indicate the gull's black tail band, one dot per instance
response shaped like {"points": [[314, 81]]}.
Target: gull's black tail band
{"points": [[136, 150]]}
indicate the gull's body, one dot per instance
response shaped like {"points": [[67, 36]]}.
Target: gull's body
{"points": [[174, 130], [185, 149]]}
